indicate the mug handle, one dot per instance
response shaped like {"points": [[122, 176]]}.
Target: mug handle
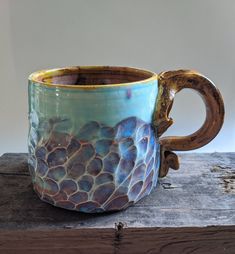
{"points": [[170, 83]]}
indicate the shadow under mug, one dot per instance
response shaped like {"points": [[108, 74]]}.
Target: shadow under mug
{"points": [[95, 140]]}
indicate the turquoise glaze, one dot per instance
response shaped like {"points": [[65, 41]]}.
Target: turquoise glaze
{"points": [[107, 105], [92, 147]]}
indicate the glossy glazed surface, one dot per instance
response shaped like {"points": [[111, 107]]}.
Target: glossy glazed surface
{"points": [[95, 145], [93, 150]]}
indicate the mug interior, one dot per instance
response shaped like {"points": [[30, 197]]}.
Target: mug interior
{"points": [[91, 75]]}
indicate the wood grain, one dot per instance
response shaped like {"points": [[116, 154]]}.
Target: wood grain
{"points": [[130, 240], [191, 211]]}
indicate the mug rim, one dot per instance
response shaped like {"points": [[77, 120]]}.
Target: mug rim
{"points": [[37, 75]]}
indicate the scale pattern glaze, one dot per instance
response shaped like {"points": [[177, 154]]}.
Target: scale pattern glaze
{"points": [[99, 168]]}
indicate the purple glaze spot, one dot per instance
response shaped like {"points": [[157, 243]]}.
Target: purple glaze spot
{"points": [[66, 204], [103, 178], [78, 197], [86, 152], [56, 173], [128, 93], [75, 170], [57, 157], [50, 187], [111, 162], [94, 167], [124, 169], [117, 203], [40, 152], [89, 207], [103, 192], [135, 190], [41, 167], [60, 196], [139, 173], [68, 186]]}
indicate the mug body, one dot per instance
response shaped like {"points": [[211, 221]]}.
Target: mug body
{"points": [[92, 145]]}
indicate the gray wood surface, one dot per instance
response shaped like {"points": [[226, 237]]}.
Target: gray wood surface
{"points": [[191, 211], [201, 193]]}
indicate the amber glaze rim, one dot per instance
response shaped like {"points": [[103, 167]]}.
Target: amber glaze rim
{"points": [[34, 77]]}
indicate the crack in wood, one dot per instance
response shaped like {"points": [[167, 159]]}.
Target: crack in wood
{"points": [[119, 228]]}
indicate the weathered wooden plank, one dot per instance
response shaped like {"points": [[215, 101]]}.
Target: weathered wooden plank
{"points": [[214, 240], [191, 211], [201, 193]]}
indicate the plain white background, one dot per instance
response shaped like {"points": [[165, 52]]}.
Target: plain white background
{"points": [[155, 35]]}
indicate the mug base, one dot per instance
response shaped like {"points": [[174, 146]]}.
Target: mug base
{"points": [[91, 207]]}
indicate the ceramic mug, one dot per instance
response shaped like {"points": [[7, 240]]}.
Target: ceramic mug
{"points": [[95, 140]]}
